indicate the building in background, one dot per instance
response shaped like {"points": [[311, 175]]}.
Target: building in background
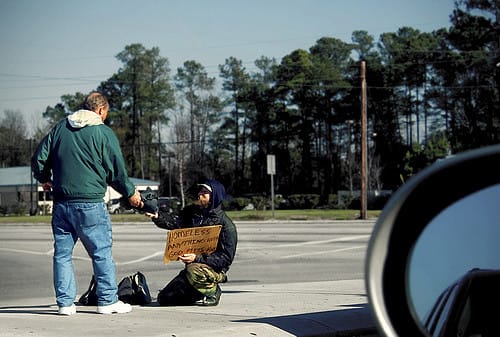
{"points": [[21, 193]]}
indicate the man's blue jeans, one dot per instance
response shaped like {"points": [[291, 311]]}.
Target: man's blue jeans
{"points": [[90, 223]]}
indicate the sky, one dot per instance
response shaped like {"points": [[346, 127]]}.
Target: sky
{"points": [[49, 48]]}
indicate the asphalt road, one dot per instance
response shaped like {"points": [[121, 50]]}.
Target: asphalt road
{"points": [[271, 252]]}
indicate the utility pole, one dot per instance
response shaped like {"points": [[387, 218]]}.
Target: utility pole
{"points": [[364, 146]]}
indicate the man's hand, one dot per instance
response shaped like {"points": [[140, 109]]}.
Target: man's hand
{"points": [[47, 186], [135, 200], [187, 258]]}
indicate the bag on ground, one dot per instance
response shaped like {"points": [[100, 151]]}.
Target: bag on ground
{"points": [[89, 297], [134, 289]]}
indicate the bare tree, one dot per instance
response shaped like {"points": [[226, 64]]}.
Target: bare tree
{"points": [[181, 136], [14, 145]]}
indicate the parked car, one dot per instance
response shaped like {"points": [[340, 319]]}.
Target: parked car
{"points": [[171, 204], [435, 240], [115, 207]]}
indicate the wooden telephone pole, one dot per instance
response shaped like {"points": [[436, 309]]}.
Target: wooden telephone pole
{"points": [[364, 146]]}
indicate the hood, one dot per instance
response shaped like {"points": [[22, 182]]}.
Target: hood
{"points": [[218, 193], [82, 118]]}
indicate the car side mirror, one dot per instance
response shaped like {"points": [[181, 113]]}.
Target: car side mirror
{"points": [[434, 241]]}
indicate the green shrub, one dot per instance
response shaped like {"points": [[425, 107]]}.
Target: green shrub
{"points": [[346, 202], [18, 209], [280, 202], [235, 204], [330, 202], [260, 202], [304, 201]]}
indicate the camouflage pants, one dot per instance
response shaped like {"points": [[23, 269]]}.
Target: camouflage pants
{"points": [[203, 278]]}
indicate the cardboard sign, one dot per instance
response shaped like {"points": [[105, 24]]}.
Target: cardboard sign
{"points": [[195, 240]]}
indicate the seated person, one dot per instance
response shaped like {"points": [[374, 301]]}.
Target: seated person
{"points": [[198, 282]]}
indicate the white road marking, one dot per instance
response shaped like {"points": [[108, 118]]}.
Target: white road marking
{"points": [[307, 243], [141, 259], [322, 252], [86, 258], [48, 253], [24, 251]]}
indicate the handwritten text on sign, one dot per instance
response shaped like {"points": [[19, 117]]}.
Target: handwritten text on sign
{"points": [[196, 240]]}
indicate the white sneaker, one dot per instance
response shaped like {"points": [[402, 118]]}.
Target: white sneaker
{"points": [[67, 311], [118, 307]]}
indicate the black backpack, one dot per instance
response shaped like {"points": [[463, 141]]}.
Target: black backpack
{"points": [[132, 289], [89, 297]]}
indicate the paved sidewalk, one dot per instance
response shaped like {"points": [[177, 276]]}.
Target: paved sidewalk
{"points": [[330, 308]]}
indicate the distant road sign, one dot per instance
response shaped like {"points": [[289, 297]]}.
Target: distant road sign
{"points": [[271, 164]]}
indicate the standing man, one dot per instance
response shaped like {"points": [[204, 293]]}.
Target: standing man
{"points": [[77, 159], [198, 282]]}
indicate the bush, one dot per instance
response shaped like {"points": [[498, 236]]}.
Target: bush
{"points": [[332, 201], [373, 202], [345, 201], [304, 201], [235, 204], [260, 202], [280, 202], [19, 209]]}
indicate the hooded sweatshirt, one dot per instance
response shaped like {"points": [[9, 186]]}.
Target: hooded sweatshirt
{"points": [[196, 216], [81, 156]]}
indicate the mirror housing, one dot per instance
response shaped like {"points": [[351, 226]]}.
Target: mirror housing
{"points": [[402, 221]]}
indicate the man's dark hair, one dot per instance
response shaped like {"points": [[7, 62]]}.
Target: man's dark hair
{"points": [[95, 100]]}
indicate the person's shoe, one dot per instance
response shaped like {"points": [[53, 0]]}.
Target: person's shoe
{"points": [[118, 307], [67, 311], [211, 300]]}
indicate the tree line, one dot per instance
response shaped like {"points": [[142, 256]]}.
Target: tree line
{"points": [[429, 95]]}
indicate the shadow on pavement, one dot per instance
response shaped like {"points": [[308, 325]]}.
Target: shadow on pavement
{"points": [[45, 309], [355, 321]]}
